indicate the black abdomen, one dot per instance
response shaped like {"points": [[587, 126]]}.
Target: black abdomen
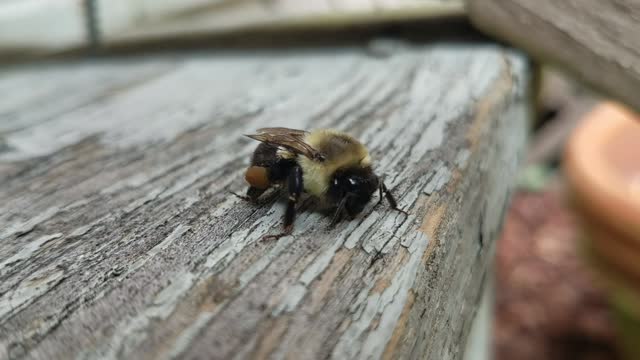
{"points": [[266, 156]]}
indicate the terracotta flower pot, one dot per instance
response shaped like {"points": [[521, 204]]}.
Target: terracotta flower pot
{"points": [[602, 164]]}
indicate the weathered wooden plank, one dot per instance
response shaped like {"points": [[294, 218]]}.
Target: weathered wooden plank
{"points": [[270, 15], [119, 240], [120, 22], [63, 92], [21, 24], [594, 40]]}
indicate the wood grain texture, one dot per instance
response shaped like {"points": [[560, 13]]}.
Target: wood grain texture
{"points": [[118, 239], [594, 40]]}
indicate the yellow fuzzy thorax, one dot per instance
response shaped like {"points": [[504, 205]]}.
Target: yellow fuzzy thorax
{"points": [[340, 149]]}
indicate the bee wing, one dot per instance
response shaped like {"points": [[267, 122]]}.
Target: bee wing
{"points": [[284, 131], [290, 139]]}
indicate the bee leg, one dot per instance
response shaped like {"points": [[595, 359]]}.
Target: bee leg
{"points": [[295, 187], [272, 196], [380, 193], [265, 199], [392, 201], [287, 231], [338, 214], [252, 194], [242, 197]]}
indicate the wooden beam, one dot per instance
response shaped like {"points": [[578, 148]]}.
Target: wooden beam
{"points": [[593, 40], [119, 240], [278, 15], [78, 25]]}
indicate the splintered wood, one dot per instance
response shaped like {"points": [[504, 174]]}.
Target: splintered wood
{"points": [[119, 239]]}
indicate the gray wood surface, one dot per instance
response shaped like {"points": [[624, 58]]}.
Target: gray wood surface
{"points": [[274, 15], [118, 239], [135, 22], [595, 40]]}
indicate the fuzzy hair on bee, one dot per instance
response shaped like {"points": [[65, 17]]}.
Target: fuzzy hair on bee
{"points": [[327, 164]]}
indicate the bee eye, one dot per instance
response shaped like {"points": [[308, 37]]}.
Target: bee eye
{"points": [[353, 184]]}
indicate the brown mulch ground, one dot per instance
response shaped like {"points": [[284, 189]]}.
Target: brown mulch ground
{"points": [[547, 306]]}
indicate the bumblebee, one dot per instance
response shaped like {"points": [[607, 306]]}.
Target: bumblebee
{"points": [[327, 164]]}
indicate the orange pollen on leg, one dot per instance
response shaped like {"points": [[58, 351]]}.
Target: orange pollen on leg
{"points": [[257, 177]]}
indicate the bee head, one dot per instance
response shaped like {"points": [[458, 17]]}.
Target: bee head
{"points": [[357, 185]]}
